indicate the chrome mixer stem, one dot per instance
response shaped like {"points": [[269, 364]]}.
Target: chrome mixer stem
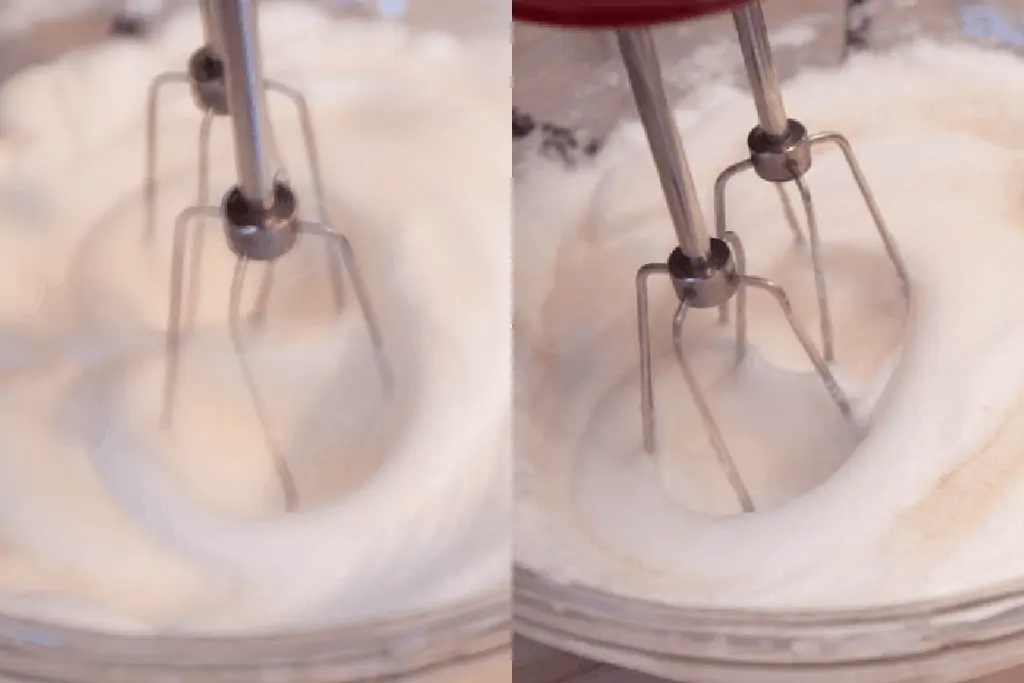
{"points": [[640, 57], [211, 30], [757, 55], [243, 74]]}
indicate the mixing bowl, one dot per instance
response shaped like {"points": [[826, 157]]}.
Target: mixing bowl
{"points": [[469, 641], [574, 78]]}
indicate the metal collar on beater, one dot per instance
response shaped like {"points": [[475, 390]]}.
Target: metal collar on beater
{"points": [[260, 214], [708, 272]]}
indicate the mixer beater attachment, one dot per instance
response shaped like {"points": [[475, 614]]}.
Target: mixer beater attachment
{"points": [[260, 214], [205, 76], [705, 272], [780, 152]]}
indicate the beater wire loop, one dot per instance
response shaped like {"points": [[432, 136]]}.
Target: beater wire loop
{"points": [[818, 266], [313, 158], [643, 319], [149, 178], [714, 433], [203, 199], [179, 251], [288, 488], [891, 249], [347, 258]]}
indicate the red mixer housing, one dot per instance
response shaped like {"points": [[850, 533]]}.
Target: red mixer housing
{"points": [[610, 14]]}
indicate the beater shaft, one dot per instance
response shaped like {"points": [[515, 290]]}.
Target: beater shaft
{"points": [[764, 83], [640, 56], [211, 29], [243, 74], [263, 412]]}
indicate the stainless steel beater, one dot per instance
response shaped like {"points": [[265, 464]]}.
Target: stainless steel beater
{"points": [[780, 152], [204, 74], [707, 272], [260, 214]]}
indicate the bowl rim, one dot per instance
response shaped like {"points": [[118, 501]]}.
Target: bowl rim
{"points": [[556, 612], [374, 650]]}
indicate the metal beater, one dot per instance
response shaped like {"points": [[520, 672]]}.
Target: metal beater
{"points": [[260, 214], [707, 272]]}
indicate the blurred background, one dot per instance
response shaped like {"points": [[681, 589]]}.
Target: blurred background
{"points": [[33, 31]]}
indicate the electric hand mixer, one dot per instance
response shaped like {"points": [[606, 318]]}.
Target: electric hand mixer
{"points": [[709, 272], [260, 214]]}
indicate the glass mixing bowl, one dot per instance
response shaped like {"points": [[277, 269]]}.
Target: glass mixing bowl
{"points": [[467, 642], [574, 78]]}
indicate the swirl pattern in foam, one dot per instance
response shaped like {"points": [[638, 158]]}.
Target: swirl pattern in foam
{"points": [[926, 504], [108, 521]]}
